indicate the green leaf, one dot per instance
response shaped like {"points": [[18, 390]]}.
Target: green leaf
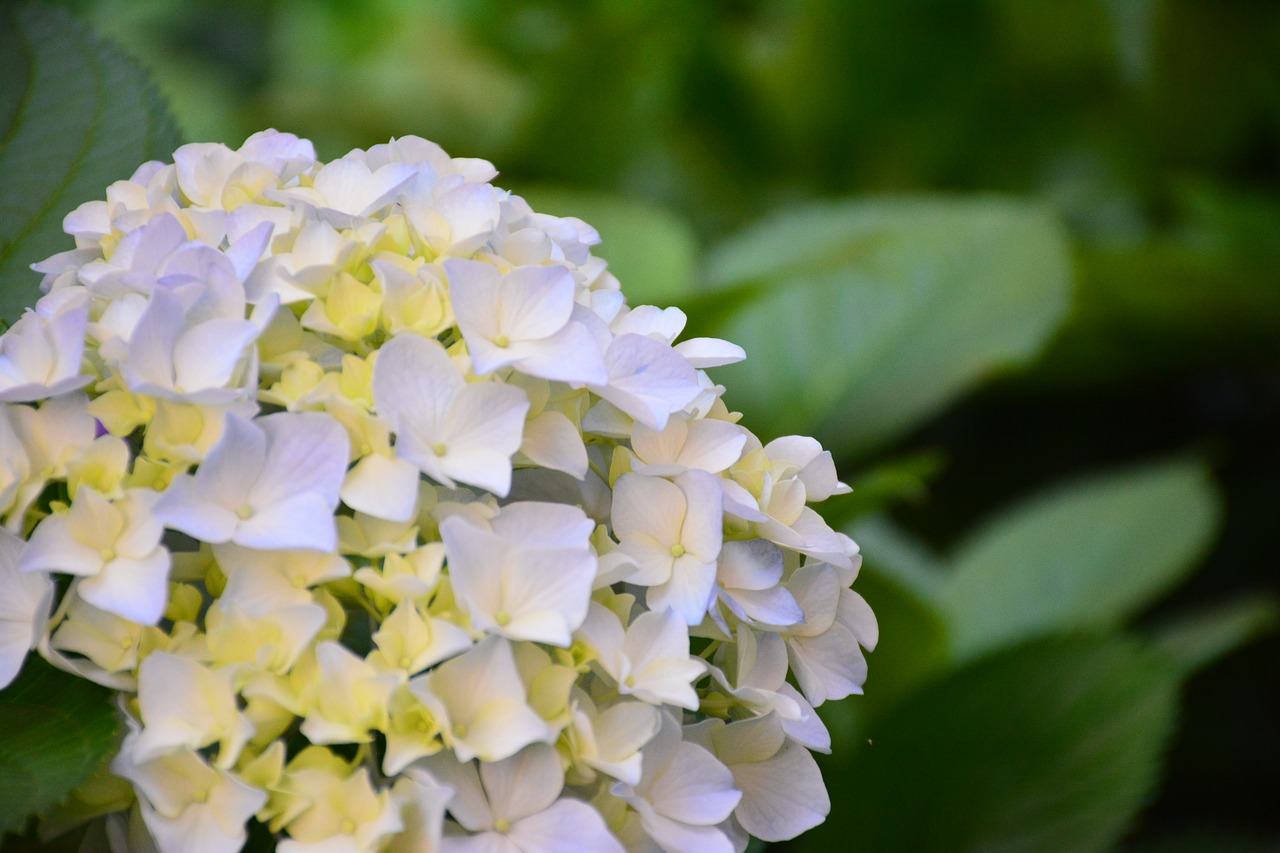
{"points": [[903, 479], [1092, 553], [1202, 291], [1050, 746], [1193, 642], [1206, 840], [897, 555], [57, 730], [651, 251], [75, 115], [871, 316]]}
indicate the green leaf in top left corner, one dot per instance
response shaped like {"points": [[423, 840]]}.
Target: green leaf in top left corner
{"points": [[76, 114]]}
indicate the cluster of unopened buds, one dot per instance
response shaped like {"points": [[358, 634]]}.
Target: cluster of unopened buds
{"points": [[396, 529]]}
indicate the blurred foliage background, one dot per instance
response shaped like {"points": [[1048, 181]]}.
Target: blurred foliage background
{"points": [[1016, 263]]}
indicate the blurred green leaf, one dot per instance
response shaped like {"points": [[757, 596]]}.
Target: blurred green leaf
{"points": [[1206, 841], [899, 556], [1205, 290], [1092, 553], [900, 480], [75, 115], [57, 730], [872, 315], [1195, 641], [1050, 746], [651, 251]]}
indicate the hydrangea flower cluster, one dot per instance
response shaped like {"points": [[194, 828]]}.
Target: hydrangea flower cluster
{"points": [[396, 529]]}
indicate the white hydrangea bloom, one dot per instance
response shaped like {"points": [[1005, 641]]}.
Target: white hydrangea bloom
{"points": [[673, 531], [529, 577], [481, 703], [449, 429], [396, 529], [185, 704], [188, 805], [782, 790], [683, 794], [514, 806], [40, 356], [114, 545], [270, 483]]}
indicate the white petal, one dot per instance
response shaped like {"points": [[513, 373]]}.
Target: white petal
{"points": [[472, 211], [696, 788], [413, 384], [483, 429], [783, 796], [207, 355], [183, 507], [470, 804], [647, 379], [383, 487], [233, 464], [303, 522], [150, 359], [688, 592], [134, 589], [305, 453], [751, 565], [648, 506], [568, 826], [809, 731], [828, 666], [535, 302], [856, 615], [535, 524], [524, 784], [53, 548], [774, 606], [703, 529], [710, 352], [570, 355], [554, 585], [24, 608]]}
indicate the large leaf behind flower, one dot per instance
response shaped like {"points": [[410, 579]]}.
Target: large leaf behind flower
{"points": [[1045, 747], [867, 317], [1093, 553], [75, 115], [55, 729]]}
